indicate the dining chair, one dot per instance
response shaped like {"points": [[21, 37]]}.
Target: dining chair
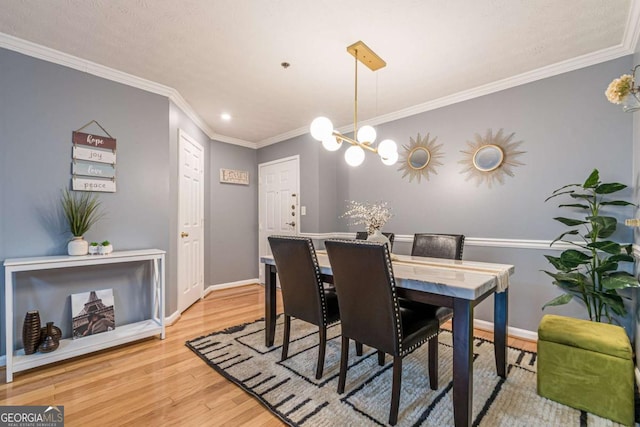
{"points": [[303, 294], [362, 235], [370, 312], [433, 245]]}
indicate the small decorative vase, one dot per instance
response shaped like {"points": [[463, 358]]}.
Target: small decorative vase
{"points": [[78, 246], [378, 237], [31, 332], [105, 249], [94, 250], [49, 342], [56, 332]]}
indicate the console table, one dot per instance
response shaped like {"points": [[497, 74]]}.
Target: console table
{"points": [[17, 361]]}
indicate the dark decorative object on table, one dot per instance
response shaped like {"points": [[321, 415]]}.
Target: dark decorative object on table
{"points": [[56, 332], [31, 332], [51, 339]]}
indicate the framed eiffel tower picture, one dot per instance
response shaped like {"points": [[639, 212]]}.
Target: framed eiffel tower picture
{"points": [[92, 313]]}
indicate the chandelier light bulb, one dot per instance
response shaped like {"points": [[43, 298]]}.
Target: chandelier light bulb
{"points": [[321, 128], [391, 160], [332, 143], [387, 148], [354, 156], [366, 134]]}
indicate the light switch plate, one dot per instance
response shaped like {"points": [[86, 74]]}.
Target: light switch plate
{"points": [[303, 210]]}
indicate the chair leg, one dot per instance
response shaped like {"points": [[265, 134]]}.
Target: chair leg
{"points": [[380, 358], [433, 363], [285, 337], [344, 358], [359, 350], [321, 349], [395, 390]]}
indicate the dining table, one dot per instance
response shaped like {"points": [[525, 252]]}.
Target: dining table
{"points": [[459, 285]]}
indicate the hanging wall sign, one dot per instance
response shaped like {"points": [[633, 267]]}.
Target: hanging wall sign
{"points": [[103, 142], [88, 184], [102, 170], [93, 161], [81, 153]]}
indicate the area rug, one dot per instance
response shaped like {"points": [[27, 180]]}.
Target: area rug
{"points": [[291, 392]]}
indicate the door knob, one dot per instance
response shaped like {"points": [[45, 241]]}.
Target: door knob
{"points": [[183, 234], [292, 223]]}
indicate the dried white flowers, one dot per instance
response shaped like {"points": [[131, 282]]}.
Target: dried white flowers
{"points": [[372, 215]]}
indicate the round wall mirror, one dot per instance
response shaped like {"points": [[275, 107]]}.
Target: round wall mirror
{"points": [[488, 158], [419, 158]]}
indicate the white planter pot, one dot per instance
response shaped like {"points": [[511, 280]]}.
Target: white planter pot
{"points": [[105, 250], [94, 250], [78, 246]]}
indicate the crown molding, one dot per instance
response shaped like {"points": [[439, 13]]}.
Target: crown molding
{"points": [[630, 40], [57, 57]]}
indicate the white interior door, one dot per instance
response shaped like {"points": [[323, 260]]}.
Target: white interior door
{"points": [[279, 194], [190, 221]]}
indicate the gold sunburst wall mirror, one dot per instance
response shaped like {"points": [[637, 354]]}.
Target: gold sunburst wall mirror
{"points": [[420, 158], [490, 157]]}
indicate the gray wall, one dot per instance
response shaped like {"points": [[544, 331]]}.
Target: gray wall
{"points": [[568, 128], [233, 220], [42, 103]]}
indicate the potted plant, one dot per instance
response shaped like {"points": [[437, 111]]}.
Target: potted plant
{"points": [[106, 248], [590, 272], [93, 248], [81, 211]]}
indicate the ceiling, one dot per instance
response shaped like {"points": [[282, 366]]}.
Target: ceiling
{"points": [[225, 55]]}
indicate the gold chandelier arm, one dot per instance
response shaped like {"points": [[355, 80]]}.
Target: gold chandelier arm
{"points": [[354, 142], [355, 100]]}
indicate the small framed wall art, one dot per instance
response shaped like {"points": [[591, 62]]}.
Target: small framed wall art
{"points": [[232, 176]]}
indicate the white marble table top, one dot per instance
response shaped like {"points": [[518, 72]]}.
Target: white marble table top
{"points": [[461, 279]]}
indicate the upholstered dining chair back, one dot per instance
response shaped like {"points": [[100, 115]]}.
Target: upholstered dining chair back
{"points": [[297, 265], [371, 313], [433, 245], [366, 293], [362, 235]]}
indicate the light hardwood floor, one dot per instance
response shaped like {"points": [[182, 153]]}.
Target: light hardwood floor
{"points": [[157, 382]]}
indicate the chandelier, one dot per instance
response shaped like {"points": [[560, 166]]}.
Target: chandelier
{"points": [[322, 129]]}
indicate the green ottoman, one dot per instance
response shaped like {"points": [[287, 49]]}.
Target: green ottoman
{"points": [[586, 365]]}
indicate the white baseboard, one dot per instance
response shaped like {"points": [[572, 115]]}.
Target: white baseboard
{"points": [[514, 332], [172, 318], [230, 285]]}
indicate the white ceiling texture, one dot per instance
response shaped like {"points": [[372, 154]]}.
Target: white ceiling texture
{"points": [[215, 56]]}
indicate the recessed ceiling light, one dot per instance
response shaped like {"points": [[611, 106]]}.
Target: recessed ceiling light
{"points": [[225, 116]]}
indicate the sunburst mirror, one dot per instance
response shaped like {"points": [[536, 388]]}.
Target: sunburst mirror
{"points": [[420, 158], [489, 158]]}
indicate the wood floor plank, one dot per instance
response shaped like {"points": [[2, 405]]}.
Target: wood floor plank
{"points": [[158, 382]]}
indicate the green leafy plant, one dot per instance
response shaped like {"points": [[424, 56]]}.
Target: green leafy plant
{"points": [[590, 272], [106, 243], [82, 211], [93, 244]]}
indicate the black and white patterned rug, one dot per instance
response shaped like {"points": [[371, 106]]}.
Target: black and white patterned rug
{"points": [[291, 392]]}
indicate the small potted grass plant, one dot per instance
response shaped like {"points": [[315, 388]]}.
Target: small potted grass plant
{"points": [[82, 211]]}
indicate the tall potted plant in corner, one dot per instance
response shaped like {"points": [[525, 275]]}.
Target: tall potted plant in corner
{"points": [[589, 273], [81, 211]]}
